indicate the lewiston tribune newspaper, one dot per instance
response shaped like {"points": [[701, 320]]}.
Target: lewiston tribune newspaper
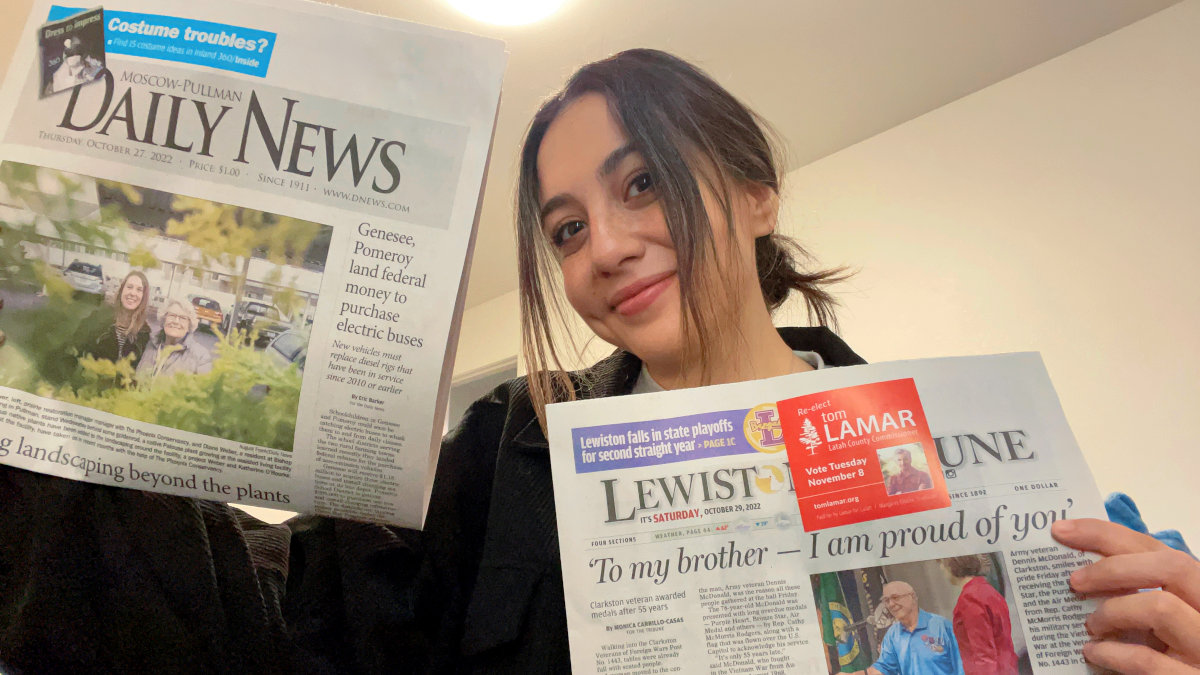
{"points": [[234, 241], [894, 515]]}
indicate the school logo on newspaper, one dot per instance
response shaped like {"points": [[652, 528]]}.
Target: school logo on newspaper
{"points": [[762, 428]]}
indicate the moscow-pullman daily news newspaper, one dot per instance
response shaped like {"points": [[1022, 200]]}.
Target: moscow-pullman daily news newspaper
{"points": [[895, 515], [234, 236]]}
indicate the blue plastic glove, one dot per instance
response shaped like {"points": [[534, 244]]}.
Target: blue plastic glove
{"points": [[1122, 511]]}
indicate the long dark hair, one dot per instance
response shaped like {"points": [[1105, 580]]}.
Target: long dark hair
{"points": [[677, 118], [130, 322]]}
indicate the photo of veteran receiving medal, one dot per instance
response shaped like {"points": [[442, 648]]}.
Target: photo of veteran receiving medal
{"points": [[948, 616]]}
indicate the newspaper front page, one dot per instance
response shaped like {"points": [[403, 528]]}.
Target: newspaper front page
{"points": [[234, 241], [893, 516]]}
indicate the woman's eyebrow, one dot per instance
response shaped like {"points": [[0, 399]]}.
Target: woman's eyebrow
{"points": [[614, 158], [608, 166], [553, 204]]}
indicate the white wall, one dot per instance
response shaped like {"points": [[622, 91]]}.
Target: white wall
{"points": [[490, 336], [1057, 211]]}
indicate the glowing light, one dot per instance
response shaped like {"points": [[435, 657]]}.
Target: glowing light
{"points": [[507, 12]]}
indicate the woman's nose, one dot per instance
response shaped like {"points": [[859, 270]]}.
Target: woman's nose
{"points": [[616, 239]]}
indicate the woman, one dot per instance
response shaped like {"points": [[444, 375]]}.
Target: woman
{"points": [[672, 255], [981, 619], [175, 349], [654, 192], [123, 333], [658, 258]]}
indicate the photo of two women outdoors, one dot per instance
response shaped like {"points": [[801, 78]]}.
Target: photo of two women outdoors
{"points": [[157, 307]]}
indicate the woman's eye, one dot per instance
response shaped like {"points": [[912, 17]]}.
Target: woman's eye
{"points": [[641, 184], [566, 231]]}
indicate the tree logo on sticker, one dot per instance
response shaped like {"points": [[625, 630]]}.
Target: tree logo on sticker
{"points": [[809, 437]]}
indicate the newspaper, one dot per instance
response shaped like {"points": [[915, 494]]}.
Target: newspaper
{"points": [[824, 522], [234, 243]]}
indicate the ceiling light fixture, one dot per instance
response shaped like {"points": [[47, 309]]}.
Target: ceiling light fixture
{"points": [[507, 12]]}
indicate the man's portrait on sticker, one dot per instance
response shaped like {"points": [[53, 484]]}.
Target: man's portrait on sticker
{"points": [[904, 469]]}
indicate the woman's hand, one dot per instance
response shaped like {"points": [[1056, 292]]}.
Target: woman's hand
{"points": [[1156, 631]]}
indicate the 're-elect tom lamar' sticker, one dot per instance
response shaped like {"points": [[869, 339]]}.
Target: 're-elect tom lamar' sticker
{"points": [[861, 453]]}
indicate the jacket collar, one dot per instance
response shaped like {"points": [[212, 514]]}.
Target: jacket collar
{"points": [[616, 374]]}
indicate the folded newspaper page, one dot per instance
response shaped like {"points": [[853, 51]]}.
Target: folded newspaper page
{"points": [[234, 241], [893, 516]]}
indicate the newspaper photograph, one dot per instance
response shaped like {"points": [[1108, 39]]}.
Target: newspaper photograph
{"points": [[232, 265], [890, 518], [71, 51], [136, 269]]}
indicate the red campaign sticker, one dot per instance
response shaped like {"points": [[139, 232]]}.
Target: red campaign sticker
{"points": [[861, 453]]}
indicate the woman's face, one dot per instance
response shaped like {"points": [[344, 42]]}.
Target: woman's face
{"points": [[946, 570], [601, 212], [176, 323], [132, 293]]}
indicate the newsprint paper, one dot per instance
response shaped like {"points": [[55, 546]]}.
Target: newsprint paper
{"points": [[234, 236], [753, 527]]}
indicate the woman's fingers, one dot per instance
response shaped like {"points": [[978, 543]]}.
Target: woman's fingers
{"points": [[1161, 614], [1171, 570], [1167, 618], [1133, 561], [1103, 537], [1133, 659]]}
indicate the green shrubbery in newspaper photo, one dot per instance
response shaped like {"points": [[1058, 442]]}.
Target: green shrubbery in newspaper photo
{"points": [[239, 285]]}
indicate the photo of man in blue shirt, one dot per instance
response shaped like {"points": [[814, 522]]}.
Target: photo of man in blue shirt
{"points": [[918, 643]]}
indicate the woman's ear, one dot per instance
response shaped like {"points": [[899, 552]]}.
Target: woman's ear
{"points": [[762, 204]]}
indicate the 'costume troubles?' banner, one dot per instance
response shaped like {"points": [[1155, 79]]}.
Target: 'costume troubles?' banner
{"points": [[169, 38]]}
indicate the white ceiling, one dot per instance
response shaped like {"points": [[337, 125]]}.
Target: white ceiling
{"points": [[826, 73]]}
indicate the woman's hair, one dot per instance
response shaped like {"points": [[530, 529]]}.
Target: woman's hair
{"points": [[965, 566], [688, 129], [187, 308], [131, 321]]}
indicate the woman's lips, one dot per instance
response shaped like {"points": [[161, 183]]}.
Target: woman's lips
{"points": [[641, 294]]}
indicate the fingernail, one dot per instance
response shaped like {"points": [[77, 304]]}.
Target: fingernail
{"points": [[1062, 527], [1087, 650], [1087, 626], [1071, 583]]}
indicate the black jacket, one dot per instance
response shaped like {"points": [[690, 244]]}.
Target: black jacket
{"points": [[98, 578], [104, 344], [63, 333]]}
